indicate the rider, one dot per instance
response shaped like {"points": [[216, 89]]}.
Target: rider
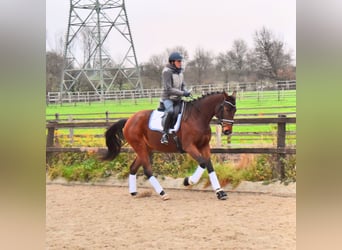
{"points": [[173, 90]]}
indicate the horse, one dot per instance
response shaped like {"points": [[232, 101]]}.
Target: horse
{"points": [[193, 135]]}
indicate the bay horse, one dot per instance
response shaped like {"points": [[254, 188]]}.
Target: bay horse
{"points": [[194, 136]]}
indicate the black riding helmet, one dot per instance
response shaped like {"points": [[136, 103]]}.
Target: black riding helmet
{"points": [[175, 56]]}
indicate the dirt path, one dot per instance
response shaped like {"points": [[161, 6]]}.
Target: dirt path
{"points": [[104, 217]]}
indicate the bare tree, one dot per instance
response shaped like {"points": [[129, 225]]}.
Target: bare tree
{"points": [[201, 63], [270, 54], [223, 65], [179, 49], [58, 45], [59, 41], [237, 56], [152, 70], [88, 44], [54, 67], [251, 70]]}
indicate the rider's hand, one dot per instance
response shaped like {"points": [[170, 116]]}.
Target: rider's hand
{"points": [[186, 93]]}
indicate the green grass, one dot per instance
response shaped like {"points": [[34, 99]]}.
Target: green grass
{"points": [[247, 103], [261, 106]]}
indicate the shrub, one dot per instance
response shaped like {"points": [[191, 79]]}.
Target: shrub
{"points": [[86, 167]]}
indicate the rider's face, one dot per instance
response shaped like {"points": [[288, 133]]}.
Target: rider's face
{"points": [[178, 64]]}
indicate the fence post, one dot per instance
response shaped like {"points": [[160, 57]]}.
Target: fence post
{"points": [[281, 138], [51, 134], [133, 98], [71, 131], [107, 116], [150, 96], [218, 135]]}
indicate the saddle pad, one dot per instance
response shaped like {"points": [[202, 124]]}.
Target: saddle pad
{"points": [[155, 122]]}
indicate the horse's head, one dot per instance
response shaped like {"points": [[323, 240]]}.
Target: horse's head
{"points": [[226, 113]]}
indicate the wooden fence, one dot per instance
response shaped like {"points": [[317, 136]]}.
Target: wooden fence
{"points": [[113, 116], [281, 150]]}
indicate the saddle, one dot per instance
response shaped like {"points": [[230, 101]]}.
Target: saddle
{"points": [[155, 121]]}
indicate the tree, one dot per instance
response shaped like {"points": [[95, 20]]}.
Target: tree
{"points": [[88, 45], [54, 68], [223, 65], [237, 56], [179, 49], [58, 45], [151, 70], [234, 60], [201, 63], [270, 55]]}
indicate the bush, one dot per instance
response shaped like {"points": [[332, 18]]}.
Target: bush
{"points": [[87, 167]]}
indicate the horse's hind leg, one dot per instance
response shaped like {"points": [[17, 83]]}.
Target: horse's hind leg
{"points": [[147, 165], [132, 180], [157, 187]]}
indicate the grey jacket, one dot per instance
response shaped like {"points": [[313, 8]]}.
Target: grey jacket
{"points": [[173, 83]]}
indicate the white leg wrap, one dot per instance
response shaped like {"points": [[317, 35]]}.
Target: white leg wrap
{"points": [[196, 176], [155, 183], [132, 183], [214, 181]]}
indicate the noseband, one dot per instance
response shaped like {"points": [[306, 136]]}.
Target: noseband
{"points": [[225, 121]]}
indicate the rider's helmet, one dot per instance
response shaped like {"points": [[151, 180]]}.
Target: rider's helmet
{"points": [[175, 56]]}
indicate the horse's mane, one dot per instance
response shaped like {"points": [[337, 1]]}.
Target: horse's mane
{"points": [[190, 105], [202, 97]]}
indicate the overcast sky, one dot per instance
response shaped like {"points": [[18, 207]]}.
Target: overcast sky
{"points": [[212, 25]]}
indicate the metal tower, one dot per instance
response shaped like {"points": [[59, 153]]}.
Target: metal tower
{"points": [[99, 54]]}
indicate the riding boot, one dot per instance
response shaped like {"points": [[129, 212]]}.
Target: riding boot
{"points": [[167, 125], [164, 139]]}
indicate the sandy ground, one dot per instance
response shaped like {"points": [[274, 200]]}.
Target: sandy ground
{"points": [[105, 217]]}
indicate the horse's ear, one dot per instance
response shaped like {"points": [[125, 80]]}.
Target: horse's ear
{"points": [[234, 94]]}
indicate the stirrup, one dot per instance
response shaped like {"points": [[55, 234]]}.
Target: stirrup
{"points": [[164, 139]]}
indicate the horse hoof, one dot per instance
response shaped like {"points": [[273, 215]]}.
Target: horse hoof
{"points": [[134, 193], [186, 181], [221, 195], [165, 197]]}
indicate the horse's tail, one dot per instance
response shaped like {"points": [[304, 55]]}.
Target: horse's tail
{"points": [[114, 139]]}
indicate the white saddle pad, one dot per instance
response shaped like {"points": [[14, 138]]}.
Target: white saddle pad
{"points": [[155, 122]]}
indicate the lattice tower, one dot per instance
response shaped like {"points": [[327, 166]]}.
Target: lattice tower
{"points": [[98, 31]]}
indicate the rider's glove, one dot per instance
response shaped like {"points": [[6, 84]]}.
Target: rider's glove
{"points": [[186, 93]]}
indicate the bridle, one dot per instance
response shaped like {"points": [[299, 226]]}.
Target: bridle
{"points": [[221, 120]]}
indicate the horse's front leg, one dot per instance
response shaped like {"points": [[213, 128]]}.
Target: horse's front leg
{"points": [[203, 158]]}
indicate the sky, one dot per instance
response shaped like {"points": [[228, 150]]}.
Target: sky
{"points": [[212, 25]]}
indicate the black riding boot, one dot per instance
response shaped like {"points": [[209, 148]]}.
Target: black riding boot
{"points": [[167, 125], [164, 139]]}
